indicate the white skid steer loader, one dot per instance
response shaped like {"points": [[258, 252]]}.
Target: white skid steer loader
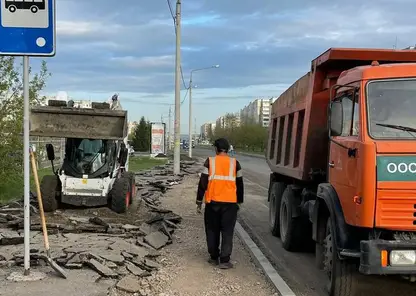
{"points": [[94, 171]]}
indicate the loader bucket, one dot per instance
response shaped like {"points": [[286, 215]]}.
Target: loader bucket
{"points": [[65, 122]]}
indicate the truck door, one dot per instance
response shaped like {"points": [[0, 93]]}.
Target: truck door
{"points": [[343, 164]]}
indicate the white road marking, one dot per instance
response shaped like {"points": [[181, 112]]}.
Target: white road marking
{"points": [[264, 263]]}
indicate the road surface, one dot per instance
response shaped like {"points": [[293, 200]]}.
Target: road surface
{"points": [[297, 269]]}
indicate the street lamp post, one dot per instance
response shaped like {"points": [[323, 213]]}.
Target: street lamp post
{"points": [[190, 105]]}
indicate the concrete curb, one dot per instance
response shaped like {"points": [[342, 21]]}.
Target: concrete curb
{"points": [[264, 263], [237, 153]]}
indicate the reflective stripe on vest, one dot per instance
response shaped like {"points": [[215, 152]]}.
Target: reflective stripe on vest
{"points": [[221, 185], [213, 176]]}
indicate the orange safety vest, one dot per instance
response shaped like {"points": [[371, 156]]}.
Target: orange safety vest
{"points": [[221, 180]]}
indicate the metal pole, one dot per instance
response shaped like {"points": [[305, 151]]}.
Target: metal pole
{"points": [[190, 117], [177, 150], [169, 127], [26, 165]]}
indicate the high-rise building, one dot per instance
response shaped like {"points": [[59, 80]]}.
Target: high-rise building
{"points": [[131, 126], [257, 112]]}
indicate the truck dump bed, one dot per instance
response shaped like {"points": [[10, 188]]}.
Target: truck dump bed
{"points": [[85, 123], [298, 131]]}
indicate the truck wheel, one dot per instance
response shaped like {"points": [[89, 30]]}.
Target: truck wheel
{"points": [[121, 195], [340, 272], [319, 244], [290, 228], [276, 193], [132, 178], [48, 188]]}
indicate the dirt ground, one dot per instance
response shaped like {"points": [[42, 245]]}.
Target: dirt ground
{"points": [[187, 272], [184, 269]]}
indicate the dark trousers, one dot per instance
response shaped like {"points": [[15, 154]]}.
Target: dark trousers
{"points": [[219, 220]]}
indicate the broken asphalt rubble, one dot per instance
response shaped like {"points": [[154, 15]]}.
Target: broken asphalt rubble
{"points": [[114, 250]]}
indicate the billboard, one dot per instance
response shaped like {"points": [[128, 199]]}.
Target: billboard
{"points": [[157, 138]]}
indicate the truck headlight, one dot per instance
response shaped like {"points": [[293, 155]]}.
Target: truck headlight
{"points": [[402, 257]]}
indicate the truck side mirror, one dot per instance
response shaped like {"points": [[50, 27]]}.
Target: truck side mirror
{"points": [[337, 118], [50, 151]]}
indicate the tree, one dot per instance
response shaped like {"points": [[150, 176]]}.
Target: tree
{"points": [[247, 136], [11, 118], [141, 137]]}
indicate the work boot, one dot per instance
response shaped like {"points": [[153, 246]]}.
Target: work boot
{"points": [[226, 265], [213, 261]]}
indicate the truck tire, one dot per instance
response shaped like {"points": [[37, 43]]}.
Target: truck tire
{"points": [[290, 228], [340, 273], [120, 195], [48, 188], [319, 244], [276, 192], [132, 178]]}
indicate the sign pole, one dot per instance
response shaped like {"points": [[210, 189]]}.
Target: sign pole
{"points": [[26, 148], [24, 37]]}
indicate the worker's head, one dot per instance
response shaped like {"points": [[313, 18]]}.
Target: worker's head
{"points": [[221, 145]]}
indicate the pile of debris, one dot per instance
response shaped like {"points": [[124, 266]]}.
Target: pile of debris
{"points": [[151, 185], [119, 251]]}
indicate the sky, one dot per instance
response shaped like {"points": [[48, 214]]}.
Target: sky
{"points": [[262, 47]]}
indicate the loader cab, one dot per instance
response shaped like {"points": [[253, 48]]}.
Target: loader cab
{"points": [[93, 157]]}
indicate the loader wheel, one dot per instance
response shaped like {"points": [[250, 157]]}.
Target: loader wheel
{"points": [[340, 272], [49, 188], [132, 178], [121, 195], [276, 192], [290, 228]]}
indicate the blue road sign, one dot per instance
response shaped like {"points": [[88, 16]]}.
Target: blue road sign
{"points": [[27, 27]]}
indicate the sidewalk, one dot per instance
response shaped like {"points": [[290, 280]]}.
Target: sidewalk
{"points": [[188, 272]]}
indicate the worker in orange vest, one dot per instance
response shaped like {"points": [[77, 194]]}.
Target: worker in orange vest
{"points": [[222, 184]]}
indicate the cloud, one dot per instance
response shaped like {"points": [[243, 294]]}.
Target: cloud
{"points": [[142, 62], [262, 47]]}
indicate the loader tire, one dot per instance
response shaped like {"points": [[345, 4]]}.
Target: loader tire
{"points": [[132, 178], [121, 195], [49, 188], [276, 192], [341, 281], [292, 230]]}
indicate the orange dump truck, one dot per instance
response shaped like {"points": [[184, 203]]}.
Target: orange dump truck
{"points": [[342, 151]]}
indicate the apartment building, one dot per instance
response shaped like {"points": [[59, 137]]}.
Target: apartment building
{"points": [[206, 130], [132, 126], [257, 112], [229, 120]]}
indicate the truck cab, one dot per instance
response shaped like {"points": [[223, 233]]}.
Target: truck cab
{"points": [[342, 155], [372, 160]]}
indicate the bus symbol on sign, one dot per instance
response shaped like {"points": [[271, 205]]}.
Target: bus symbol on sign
{"points": [[33, 5]]}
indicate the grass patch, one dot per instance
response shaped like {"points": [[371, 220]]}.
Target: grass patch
{"points": [[138, 163], [12, 185]]}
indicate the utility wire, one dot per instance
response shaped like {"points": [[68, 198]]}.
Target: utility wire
{"points": [[174, 23], [186, 94]]}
